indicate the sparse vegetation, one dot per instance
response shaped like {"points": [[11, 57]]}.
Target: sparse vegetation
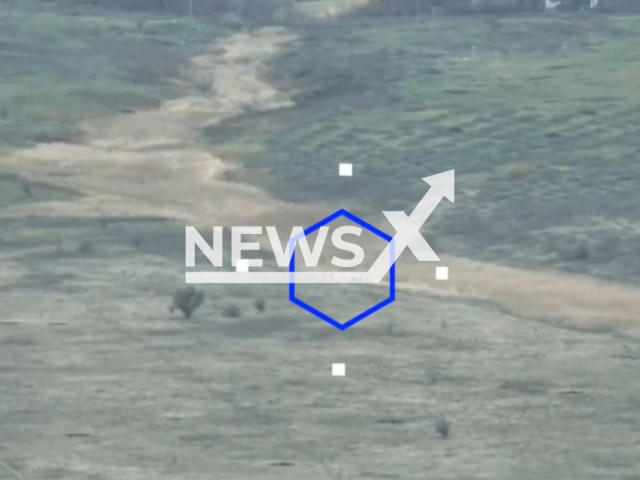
{"points": [[260, 305], [261, 11], [203, 82], [531, 387], [15, 190], [442, 427], [513, 118], [187, 300], [56, 134], [391, 326], [404, 99], [58, 69], [86, 247], [581, 252], [136, 240], [231, 311], [576, 252]]}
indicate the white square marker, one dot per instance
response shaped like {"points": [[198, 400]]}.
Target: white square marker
{"points": [[338, 369], [346, 170], [242, 265], [442, 273]]}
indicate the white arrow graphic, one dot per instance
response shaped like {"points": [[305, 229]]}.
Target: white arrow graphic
{"points": [[408, 227]]}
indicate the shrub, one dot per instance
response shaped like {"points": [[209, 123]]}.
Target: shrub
{"points": [[203, 82], [260, 305], [231, 311], [187, 300], [86, 247], [442, 427]]}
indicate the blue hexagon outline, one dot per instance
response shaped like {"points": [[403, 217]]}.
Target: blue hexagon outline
{"points": [[321, 315]]}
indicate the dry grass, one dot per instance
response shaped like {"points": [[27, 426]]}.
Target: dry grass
{"points": [[569, 301]]}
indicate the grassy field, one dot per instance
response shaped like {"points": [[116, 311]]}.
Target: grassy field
{"points": [[98, 381], [537, 115], [58, 68], [13, 191]]}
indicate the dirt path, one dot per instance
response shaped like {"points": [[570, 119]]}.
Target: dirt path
{"points": [[151, 163]]}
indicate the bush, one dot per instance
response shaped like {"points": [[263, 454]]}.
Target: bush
{"points": [[203, 82], [231, 311], [187, 300], [260, 305], [86, 247], [442, 427]]}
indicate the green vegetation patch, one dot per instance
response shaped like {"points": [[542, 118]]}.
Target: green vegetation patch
{"points": [[14, 190], [538, 116], [58, 68]]}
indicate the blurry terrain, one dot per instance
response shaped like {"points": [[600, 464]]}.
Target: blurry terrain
{"points": [[121, 123]]}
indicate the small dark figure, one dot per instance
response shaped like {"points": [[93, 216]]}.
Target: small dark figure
{"points": [[187, 300], [26, 188], [581, 252], [442, 427], [260, 305], [136, 241], [86, 247]]}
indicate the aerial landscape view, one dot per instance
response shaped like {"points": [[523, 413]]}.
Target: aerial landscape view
{"points": [[514, 356]]}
